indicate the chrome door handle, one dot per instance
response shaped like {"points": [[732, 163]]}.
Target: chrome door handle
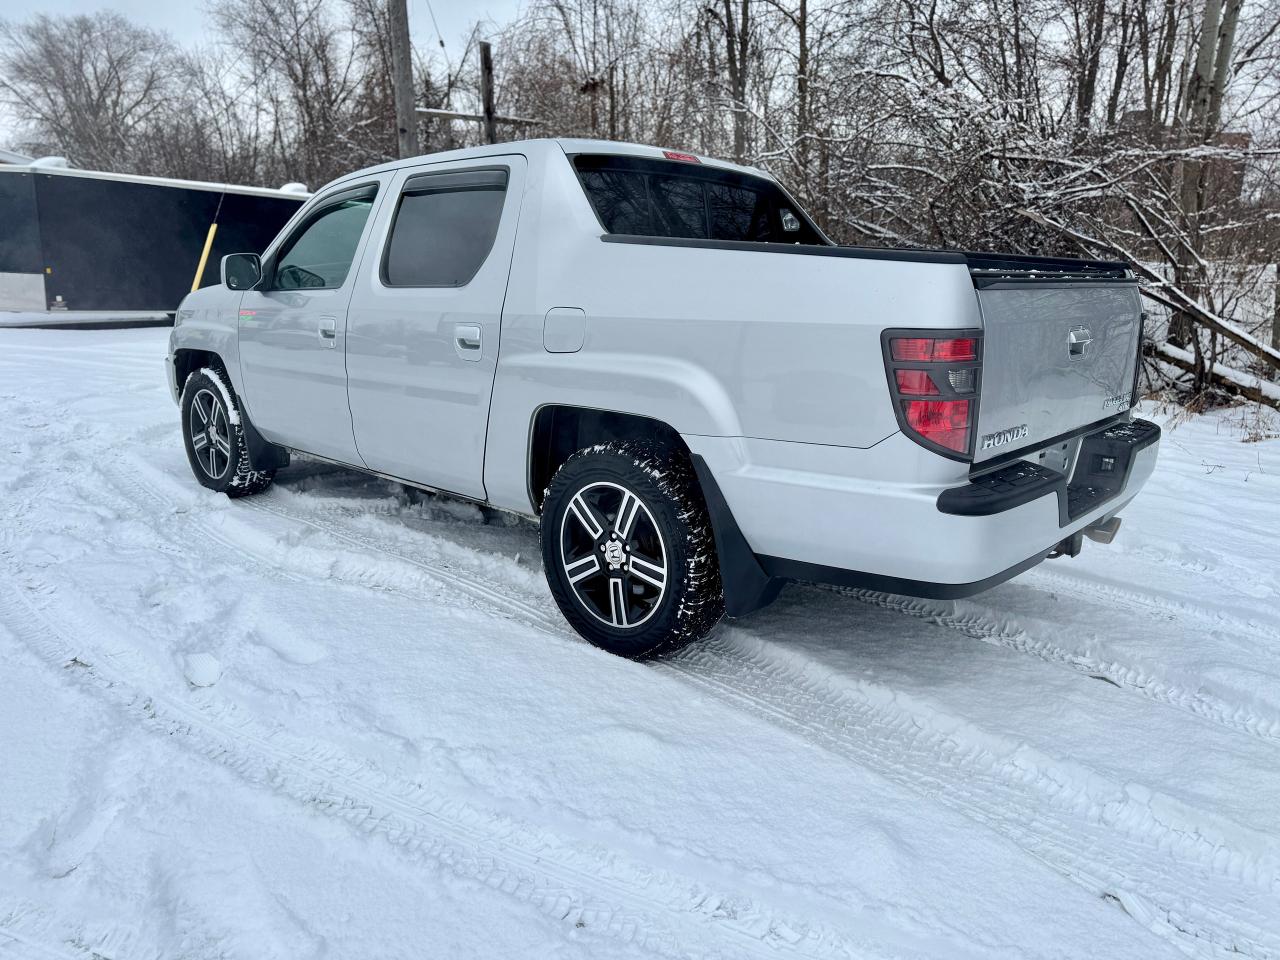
{"points": [[328, 331], [467, 340]]}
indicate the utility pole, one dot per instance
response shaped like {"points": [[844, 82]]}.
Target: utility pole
{"points": [[486, 92], [489, 119], [402, 77]]}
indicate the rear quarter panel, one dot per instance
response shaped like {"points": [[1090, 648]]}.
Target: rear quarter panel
{"points": [[713, 342]]}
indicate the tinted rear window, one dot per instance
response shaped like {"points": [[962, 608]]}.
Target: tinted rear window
{"points": [[666, 198], [444, 228]]}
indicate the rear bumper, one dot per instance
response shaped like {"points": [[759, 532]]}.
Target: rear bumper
{"points": [[1102, 471], [842, 515]]}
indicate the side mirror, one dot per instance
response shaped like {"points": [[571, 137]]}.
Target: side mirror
{"points": [[241, 271]]}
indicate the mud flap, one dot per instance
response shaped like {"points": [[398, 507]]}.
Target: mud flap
{"points": [[263, 454], [747, 588]]}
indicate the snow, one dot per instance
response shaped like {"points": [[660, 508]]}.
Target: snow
{"points": [[406, 752], [202, 669], [1265, 387]]}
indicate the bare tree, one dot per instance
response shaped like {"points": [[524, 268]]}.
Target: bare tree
{"points": [[1148, 129], [310, 70], [84, 86]]}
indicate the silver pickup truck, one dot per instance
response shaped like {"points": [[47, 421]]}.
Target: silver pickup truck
{"points": [[662, 358]]}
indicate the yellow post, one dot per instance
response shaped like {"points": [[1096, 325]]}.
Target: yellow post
{"points": [[204, 257]]}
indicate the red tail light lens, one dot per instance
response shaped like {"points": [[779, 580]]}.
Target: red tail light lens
{"points": [[922, 350], [916, 383], [913, 349], [935, 382], [944, 422]]}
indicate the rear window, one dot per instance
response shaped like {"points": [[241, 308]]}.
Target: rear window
{"points": [[665, 198], [444, 228]]}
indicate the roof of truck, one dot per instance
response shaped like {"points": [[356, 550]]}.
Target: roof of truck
{"points": [[573, 145], [568, 145]]}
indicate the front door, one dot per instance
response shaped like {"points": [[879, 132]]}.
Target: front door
{"points": [[293, 328], [425, 318]]}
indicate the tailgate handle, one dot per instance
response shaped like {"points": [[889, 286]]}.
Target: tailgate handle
{"points": [[1078, 341]]}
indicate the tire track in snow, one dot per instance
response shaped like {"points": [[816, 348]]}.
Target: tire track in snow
{"points": [[600, 892], [298, 563], [978, 623], [29, 933], [1171, 879], [563, 879], [1169, 876], [1148, 600]]}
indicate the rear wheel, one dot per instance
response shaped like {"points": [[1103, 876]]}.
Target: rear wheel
{"points": [[628, 549], [213, 433]]}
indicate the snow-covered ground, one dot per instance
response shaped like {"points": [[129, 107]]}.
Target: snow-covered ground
{"points": [[408, 754]]}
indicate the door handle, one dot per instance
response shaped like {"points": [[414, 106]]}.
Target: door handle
{"points": [[329, 331], [467, 340]]}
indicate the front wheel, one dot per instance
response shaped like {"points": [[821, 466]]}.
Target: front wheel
{"points": [[628, 549], [213, 433]]}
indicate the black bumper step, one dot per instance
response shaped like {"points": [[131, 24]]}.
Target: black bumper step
{"points": [[1102, 472]]}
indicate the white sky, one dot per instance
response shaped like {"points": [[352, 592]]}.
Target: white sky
{"points": [[189, 23]]}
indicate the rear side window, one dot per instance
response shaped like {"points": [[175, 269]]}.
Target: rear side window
{"points": [[444, 228], [665, 198]]}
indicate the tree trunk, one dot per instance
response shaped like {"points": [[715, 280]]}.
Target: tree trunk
{"points": [[1200, 83], [1091, 48], [1123, 54], [1275, 318], [737, 41], [803, 120], [1222, 67], [1195, 133], [1164, 61]]}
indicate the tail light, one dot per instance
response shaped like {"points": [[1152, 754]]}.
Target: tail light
{"points": [[934, 377]]}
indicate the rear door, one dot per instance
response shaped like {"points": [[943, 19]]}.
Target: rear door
{"points": [[292, 327], [424, 322], [1057, 356]]}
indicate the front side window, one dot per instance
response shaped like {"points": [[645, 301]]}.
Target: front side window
{"points": [[444, 228], [320, 256], [669, 198]]}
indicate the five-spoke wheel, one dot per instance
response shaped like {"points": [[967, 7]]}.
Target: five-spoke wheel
{"points": [[628, 549], [613, 555], [213, 433], [210, 432]]}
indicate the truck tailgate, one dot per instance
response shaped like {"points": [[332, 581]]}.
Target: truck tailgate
{"points": [[1058, 355]]}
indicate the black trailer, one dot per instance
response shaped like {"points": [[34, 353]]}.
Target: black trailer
{"points": [[79, 246]]}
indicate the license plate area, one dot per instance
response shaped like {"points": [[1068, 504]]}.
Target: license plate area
{"points": [[1102, 469]]}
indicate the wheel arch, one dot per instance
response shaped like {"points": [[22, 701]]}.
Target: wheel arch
{"points": [[187, 360], [557, 431], [263, 455]]}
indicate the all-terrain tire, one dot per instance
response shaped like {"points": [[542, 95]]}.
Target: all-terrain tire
{"points": [[213, 433], [628, 549]]}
